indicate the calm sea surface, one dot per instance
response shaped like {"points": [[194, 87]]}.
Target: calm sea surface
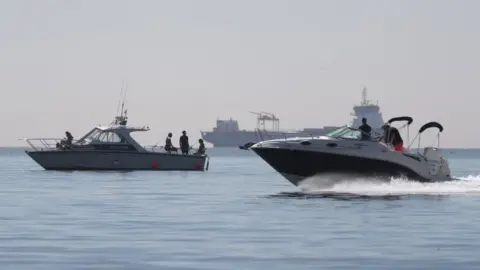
{"points": [[239, 215]]}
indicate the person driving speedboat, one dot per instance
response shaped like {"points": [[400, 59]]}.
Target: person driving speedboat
{"points": [[365, 129]]}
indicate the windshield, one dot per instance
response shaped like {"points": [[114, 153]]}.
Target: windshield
{"points": [[99, 136], [337, 131], [346, 133]]}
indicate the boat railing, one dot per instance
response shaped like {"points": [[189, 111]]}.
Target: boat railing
{"points": [[161, 149], [42, 144]]}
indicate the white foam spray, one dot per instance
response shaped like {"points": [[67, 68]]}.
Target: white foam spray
{"points": [[397, 186]]}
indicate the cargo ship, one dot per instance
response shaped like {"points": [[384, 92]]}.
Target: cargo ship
{"points": [[227, 133]]}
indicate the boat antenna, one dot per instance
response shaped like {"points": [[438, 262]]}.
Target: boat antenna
{"points": [[121, 117], [123, 101], [120, 98]]}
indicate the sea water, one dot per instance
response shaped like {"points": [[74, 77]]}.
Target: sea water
{"points": [[240, 214]]}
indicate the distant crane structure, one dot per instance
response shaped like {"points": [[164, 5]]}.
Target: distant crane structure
{"points": [[263, 117]]}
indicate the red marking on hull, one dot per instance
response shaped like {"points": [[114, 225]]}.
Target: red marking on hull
{"points": [[155, 164]]}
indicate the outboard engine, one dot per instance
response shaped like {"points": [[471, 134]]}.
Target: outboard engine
{"points": [[437, 165], [445, 170]]}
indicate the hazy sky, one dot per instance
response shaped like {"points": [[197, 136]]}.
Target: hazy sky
{"points": [[62, 64]]}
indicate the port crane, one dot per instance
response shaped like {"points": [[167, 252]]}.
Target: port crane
{"points": [[263, 117]]}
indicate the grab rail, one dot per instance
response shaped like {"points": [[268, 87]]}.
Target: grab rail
{"points": [[44, 143]]}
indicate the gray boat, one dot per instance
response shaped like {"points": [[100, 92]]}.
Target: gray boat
{"points": [[110, 148]]}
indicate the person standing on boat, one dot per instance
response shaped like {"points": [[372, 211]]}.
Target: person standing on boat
{"points": [[365, 129], [184, 145]]}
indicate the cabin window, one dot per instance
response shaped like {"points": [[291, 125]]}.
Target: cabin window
{"points": [[91, 136], [110, 137], [94, 134], [99, 136]]}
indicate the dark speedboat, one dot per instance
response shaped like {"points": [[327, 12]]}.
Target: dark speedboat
{"points": [[342, 151]]}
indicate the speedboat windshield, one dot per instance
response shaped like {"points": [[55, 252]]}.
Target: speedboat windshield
{"points": [[346, 132], [338, 131]]}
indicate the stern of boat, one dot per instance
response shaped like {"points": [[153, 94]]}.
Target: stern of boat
{"points": [[202, 163], [437, 164]]}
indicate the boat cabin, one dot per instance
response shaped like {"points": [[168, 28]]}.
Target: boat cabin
{"points": [[111, 138]]}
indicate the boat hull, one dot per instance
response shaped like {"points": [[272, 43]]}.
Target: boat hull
{"points": [[95, 160], [296, 165]]}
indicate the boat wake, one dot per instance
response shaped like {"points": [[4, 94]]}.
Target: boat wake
{"points": [[356, 188]]}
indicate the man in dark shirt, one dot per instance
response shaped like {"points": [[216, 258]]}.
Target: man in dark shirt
{"points": [[184, 145], [365, 129]]}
